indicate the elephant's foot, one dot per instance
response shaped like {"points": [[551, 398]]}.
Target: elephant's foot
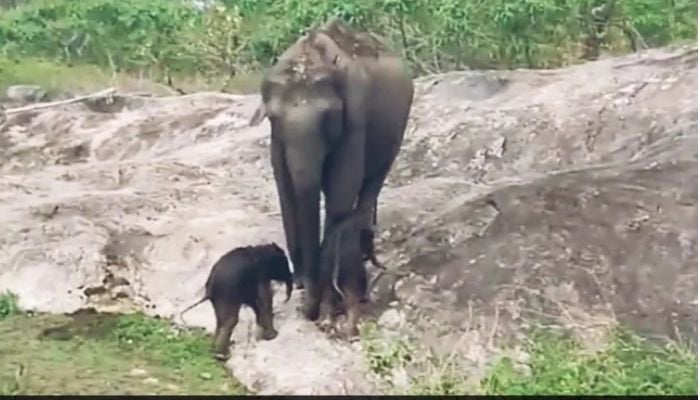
{"points": [[311, 313], [267, 334], [339, 309], [312, 310], [351, 332], [352, 339], [222, 356], [326, 325], [349, 335]]}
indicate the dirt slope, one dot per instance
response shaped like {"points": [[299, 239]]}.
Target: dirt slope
{"points": [[519, 197]]}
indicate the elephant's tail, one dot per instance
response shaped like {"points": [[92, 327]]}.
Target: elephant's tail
{"points": [[205, 298]]}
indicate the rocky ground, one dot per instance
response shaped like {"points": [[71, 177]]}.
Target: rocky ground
{"points": [[565, 197]]}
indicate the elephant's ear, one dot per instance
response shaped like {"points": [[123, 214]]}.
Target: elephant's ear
{"points": [[259, 115]]}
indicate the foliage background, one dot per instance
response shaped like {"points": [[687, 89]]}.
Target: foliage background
{"points": [[221, 38]]}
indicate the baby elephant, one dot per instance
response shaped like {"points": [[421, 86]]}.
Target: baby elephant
{"points": [[344, 251], [243, 276]]}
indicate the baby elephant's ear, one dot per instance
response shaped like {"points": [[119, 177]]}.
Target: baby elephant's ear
{"points": [[259, 115]]}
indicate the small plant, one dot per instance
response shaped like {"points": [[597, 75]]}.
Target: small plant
{"points": [[384, 356], [442, 377], [9, 305], [432, 375]]}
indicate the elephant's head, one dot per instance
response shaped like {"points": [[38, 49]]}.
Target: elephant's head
{"points": [[278, 268], [299, 99]]}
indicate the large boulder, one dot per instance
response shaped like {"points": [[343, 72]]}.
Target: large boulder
{"points": [[519, 198]]}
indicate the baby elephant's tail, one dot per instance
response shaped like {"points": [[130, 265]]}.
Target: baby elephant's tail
{"points": [[205, 298]]}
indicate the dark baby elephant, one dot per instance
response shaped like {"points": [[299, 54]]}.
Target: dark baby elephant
{"points": [[338, 104], [243, 276]]}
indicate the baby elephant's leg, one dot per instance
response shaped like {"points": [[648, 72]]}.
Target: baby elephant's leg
{"points": [[353, 304], [263, 311], [226, 321], [327, 309]]}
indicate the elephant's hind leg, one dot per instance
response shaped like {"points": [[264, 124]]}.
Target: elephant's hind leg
{"points": [[227, 319], [326, 317], [371, 187], [354, 306]]}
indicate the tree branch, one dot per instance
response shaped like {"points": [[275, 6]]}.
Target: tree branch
{"points": [[41, 106]]}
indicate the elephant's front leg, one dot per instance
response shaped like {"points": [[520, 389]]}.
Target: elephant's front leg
{"points": [[304, 160]]}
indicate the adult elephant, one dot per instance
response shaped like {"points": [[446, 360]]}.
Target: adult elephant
{"points": [[338, 103]]}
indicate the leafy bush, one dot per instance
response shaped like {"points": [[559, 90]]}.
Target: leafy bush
{"points": [[174, 36], [125, 34]]}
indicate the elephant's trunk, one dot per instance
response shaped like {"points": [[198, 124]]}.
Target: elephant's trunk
{"points": [[299, 166], [306, 170], [309, 230]]}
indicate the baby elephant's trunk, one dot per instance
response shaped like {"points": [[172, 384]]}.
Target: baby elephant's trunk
{"points": [[290, 285]]}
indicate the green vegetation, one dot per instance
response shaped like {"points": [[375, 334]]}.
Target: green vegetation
{"points": [[90, 353], [8, 305], [629, 365], [52, 76], [167, 40]]}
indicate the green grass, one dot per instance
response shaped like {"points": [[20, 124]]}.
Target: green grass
{"points": [[56, 78], [432, 375], [89, 353], [52, 77], [629, 365]]}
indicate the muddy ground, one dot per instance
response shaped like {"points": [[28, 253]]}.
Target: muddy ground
{"points": [[564, 197]]}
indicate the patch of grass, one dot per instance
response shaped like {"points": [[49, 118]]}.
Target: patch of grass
{"points": [[382, 356], [89, 353], [57, 78], [8, 305], [53, 77], [246, 82], [629, 365], [440, 377], [385, 358]]}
